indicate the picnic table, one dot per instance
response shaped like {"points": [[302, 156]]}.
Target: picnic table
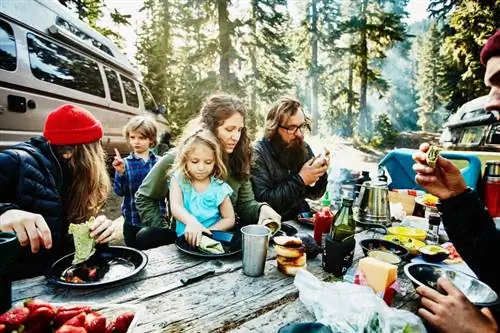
{"points": [[226, 301]]}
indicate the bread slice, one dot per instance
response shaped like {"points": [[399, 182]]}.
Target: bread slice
{"points": [[300, 261], [290, 270], [288, 241], [290, 252]]}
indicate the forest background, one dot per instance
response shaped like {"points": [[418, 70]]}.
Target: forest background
{"points": [[360, 69]]}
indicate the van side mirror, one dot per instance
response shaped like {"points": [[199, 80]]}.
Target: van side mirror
{"points": [[162, 109]]}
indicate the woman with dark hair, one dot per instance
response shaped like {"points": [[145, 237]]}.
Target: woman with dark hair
{"points": [[52, 181], [224, 115]]}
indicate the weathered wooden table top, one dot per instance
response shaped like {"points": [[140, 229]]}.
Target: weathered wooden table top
{"points": [[227, 301]]}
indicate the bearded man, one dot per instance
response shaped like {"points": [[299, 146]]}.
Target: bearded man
{"points": [[284, 170]]}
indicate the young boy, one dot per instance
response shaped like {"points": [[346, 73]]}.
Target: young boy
{"points": [[140, 133]]}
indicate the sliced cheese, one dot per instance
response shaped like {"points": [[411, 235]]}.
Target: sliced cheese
{"points": [[379, 275]]}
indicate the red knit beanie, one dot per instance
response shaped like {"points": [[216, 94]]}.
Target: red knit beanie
{"points": [[72, 125], [490, 56]]}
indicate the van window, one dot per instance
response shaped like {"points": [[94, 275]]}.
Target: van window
{"points": [[149, 102], [130, 92], [56, 64], [114, 85], [7, 47], [495, 135]]}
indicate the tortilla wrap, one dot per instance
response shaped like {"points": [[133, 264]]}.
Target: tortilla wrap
{"points": [[84, 244], [432, 156]]}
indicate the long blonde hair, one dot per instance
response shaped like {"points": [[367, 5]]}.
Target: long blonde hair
{"points": [[195, 135], [90, 183]]}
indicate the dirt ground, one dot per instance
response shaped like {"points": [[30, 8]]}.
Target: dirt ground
{"points": [[344, 154]]}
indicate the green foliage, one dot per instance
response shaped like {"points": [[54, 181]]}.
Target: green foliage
{"points": [[384, 132], [91, 11]]}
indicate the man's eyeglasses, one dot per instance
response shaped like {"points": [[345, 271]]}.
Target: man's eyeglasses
{"points": [[293, 129]]}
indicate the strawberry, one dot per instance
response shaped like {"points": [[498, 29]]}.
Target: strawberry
{"points": [[3, 328], [63, 316], [82, 308], [122, 322], [34, 304], [70, 329], [78, 320], [15, 317], [41, 315], [95, 323], [37, 328], [110, 328]]}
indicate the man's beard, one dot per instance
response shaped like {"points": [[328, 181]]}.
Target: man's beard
{"points": [[291, 155]]}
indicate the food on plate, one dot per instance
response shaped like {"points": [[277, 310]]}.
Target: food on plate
{"points": [[384, 256], [39, 316], [430, 200], [412, 245], [432, 156], [433, 253], [411, 232], [291, 254], [84, 244], [453, 257]]}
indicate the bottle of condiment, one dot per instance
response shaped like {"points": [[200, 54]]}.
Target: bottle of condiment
{"points": [[323, 220], [343, 225], [433, 231]]}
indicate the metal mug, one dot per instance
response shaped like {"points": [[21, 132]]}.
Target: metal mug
{"points": [[255, 244]]}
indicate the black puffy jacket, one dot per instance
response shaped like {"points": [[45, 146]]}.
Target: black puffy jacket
{"points": [[31, 180], [281, 187]]}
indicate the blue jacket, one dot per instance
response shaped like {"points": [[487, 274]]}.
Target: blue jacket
{"points": [[31, 179]]}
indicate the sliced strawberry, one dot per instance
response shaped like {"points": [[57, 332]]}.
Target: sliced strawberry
{"points": [[42, 315], [78, 320], [122, 322], [63, 316], [33, 304], [95, 323], [70, 329], [15, 317]]}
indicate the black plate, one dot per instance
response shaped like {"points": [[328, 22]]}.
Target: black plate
{"points": [[286, 230], [106, 253], [230, 248], [383, 245]]}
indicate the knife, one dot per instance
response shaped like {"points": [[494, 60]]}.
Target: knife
{"points": [[190, 279]]}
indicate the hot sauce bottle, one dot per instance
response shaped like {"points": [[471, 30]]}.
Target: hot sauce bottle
{"points": [[323, 221]]}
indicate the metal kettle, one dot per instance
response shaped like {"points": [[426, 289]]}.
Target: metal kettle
{"points": [[373, 204]]}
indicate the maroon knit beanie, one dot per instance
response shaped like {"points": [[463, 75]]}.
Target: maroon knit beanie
{"points": [[490, 56], [72, 125]]}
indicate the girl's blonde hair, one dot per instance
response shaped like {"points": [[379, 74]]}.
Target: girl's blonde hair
{"points": [[145, 125], [84, 196], [193, 136]]}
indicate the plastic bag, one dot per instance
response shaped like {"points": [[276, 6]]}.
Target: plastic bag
{"points": [[347, 307]]}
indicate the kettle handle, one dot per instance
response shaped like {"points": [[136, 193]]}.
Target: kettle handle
{"points": [[361, 200]]}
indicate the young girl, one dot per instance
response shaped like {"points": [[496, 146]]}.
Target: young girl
{"points": [[199, 198], [140, 133]]}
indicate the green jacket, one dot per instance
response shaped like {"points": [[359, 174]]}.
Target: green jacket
{"points": [[155, 187]]}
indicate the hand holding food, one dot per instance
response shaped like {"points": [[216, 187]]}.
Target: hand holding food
{"points": [[444, 180], [31, 229], [194, 232], [102, 230]]}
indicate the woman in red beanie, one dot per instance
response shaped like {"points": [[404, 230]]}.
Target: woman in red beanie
{"points": [[52, 181], [469, 226]]}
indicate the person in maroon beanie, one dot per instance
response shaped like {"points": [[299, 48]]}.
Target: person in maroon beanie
{"points": [[469, 227], [51, 181]]}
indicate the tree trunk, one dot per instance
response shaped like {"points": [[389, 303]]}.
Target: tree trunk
{"points": [[350, 97], [224, 43], [314, 67], [252, 116], [363, 110]]}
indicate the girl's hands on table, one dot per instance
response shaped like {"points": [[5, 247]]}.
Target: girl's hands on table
{"points": [[31, 229], [102, 230], [193, 233]]}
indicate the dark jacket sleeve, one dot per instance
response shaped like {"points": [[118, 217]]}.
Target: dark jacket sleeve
{"points": [[316, 191], [281, 196], [473, 232], [9, 177]]}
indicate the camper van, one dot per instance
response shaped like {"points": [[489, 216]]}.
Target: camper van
{"points": [[48, 57]]}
